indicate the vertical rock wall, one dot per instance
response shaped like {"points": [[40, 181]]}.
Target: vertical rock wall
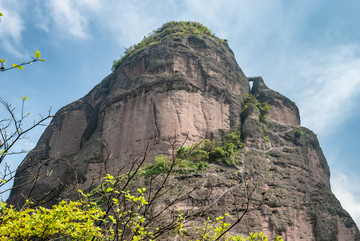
{"points": [[186, 86], [191, 87]]}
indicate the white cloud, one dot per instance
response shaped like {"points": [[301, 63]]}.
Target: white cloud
{"points": [[125, 21], [93, 5], [348, 193], [329, 84], [66, 19], [11, 28], [128, 21]]}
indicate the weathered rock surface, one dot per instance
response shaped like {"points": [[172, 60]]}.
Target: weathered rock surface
{"points": [[282, 110], [191, 87], [186, 86]]}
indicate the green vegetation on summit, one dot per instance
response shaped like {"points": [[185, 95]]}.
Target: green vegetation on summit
{"points": [[166, 30]]}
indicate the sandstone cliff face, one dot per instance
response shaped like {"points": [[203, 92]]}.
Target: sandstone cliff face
{"points": [[191, 87], [186, 86], [283, 110]]}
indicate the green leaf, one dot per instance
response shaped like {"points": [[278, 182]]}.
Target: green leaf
{"points": [[108, 176], [1, 15], [109, 189], [18, 66], [37, 54]]}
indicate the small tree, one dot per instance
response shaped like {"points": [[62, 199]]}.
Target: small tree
{"points": [[14, 128], [130, 206]]}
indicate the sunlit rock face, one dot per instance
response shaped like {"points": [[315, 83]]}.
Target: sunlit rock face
{"points": [[186, 86], [190, 88]]}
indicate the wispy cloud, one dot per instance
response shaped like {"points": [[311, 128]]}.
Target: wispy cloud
{"points": [[328, 87], [67, 19], [348, 193], [128, 21], [125, 21], [11, 28]]}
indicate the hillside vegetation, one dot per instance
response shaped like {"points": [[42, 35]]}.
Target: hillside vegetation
{"points": [[166, 30]]}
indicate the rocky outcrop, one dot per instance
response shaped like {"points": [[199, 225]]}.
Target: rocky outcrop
{"points": [[301, 206], [188, 86], [191, 87], [282, 110]]}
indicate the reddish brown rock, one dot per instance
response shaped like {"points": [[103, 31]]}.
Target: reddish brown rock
{"points": [[282, 110], [188, 86], [191, 86]]}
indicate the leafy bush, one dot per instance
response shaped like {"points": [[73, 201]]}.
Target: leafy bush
{"points": [[209, 145], [263, 107], [298, 132], [161, 165], [234, 138], [200, 155], [85, 220], [67, 220], [210, 151], [217, 153]]}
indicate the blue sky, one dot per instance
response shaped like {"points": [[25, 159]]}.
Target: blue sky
{"points": [[307, 50]]}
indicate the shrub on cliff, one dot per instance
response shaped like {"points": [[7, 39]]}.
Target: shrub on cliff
{"points": [[298, 132], [263, 107]]}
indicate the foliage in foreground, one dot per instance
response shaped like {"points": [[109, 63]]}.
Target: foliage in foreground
{"points": [[117, 210], [20, 66], [62, 221], [87, 221], [13, 129]]}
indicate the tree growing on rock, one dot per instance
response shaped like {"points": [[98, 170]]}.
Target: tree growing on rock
{"points": [[131, 206]]}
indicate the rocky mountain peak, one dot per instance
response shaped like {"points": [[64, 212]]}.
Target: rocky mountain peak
{"points": [[183, 82]]}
